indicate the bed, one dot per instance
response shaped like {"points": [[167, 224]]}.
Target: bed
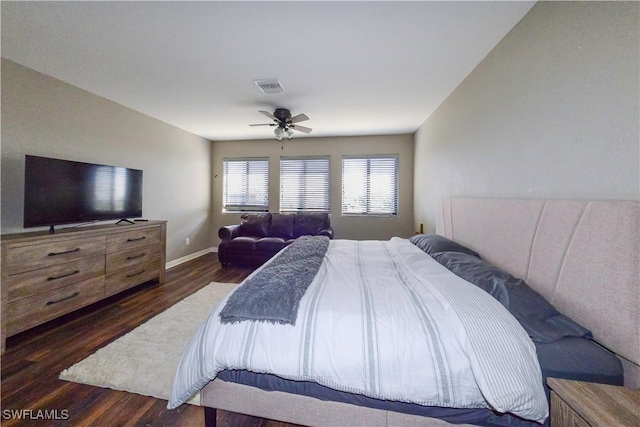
{"points": [[582, 256]]}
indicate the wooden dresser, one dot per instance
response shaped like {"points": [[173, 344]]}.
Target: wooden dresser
{"points": [[45, 276], [582, 404]]}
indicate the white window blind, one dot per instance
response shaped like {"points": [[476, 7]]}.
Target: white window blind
{"points": [[246, 185], [370, 185], [304, 184]]}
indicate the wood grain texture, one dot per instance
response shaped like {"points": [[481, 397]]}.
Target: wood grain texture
{"points": [[32, 311], [129, 257], [42, 280], [130, 276], [562, 415], [34, 359], [25, 258], [576, 403], [133, 239]]}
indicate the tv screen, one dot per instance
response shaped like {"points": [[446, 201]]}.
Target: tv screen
{"points": [[64, 192]]}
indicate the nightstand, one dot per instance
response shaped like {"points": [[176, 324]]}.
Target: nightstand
{"points": [[577, 404]]}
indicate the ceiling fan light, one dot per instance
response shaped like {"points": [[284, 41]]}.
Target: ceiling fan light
{"points": [[279, 133], [289, 133]]}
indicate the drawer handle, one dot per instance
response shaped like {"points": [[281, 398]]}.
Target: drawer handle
{"points": [[135, 256], [136, 239], [135, 274], [65, 252], [75, 294], [62, 276]]}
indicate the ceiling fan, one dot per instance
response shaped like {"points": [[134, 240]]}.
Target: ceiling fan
{"points": [[285, 124]]}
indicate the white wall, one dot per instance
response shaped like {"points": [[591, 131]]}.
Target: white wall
{"points": [[551, 112], [345, 227], [46, 117]]}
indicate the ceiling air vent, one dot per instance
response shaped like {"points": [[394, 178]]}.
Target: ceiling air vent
{"points": [[269, 85]]}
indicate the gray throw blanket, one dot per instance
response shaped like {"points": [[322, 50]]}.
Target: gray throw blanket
{"points": [[273, 294]]}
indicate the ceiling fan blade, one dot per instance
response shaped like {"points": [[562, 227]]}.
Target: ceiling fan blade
{"points": [[268, 114], [263, 124], [301, 128], [298, 118]]}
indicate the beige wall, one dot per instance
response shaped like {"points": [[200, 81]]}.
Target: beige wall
{"points": [[551, 112], [359, 228], [46, 117]]}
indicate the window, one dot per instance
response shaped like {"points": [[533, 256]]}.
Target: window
{"points": [[246, 185], [304, 184], [370, 185]]}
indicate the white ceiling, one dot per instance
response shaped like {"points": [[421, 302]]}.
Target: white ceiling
{"points": [[355, 68]]}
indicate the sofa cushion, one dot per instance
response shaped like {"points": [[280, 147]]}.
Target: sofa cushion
{"points": [[255, 224], [310, 224], [242, 244], [282, 225], [270, 244]]}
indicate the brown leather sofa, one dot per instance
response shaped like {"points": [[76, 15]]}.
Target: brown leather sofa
{"points": [[260, 236]]}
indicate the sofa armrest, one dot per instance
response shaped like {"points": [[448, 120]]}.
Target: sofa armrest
{"points": [[228, 232], [326, 232]]}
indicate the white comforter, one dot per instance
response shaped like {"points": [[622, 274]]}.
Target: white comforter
{"points": [[385, 320]]}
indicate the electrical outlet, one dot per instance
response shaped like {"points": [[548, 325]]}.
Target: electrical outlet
{"points": [[187, 242]]}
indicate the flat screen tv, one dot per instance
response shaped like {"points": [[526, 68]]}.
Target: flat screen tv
{"points": [[64, 192]]}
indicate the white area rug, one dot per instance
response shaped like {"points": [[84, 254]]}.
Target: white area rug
{"points": [[144, 361]]}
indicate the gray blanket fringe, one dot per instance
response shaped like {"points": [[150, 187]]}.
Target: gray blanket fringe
{"points": [[273, 294]]}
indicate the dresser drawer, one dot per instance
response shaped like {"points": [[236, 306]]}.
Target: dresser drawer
{"points": [[129, 277], [28, 312], [21, 258], [46, 279], [133, 239], [128, 258]]}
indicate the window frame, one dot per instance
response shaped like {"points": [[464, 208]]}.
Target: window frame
{"points": [[245, 208], [327, 198], [396, 172]]}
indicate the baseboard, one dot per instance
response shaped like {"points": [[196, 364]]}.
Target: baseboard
{"points": [[189, 257]]}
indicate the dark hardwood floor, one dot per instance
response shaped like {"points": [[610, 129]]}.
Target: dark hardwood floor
{"points": [[34, 359]]}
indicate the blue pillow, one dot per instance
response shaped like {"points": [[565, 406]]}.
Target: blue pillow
{"points": [[434, 243], [579, 359], [537, 316], [478, 272]]}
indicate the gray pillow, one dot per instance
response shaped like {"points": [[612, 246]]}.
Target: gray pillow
{"points": [[537, 316], [434, 243]]}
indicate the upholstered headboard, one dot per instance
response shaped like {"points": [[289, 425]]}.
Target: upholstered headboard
{"points": [[583, 256]]}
